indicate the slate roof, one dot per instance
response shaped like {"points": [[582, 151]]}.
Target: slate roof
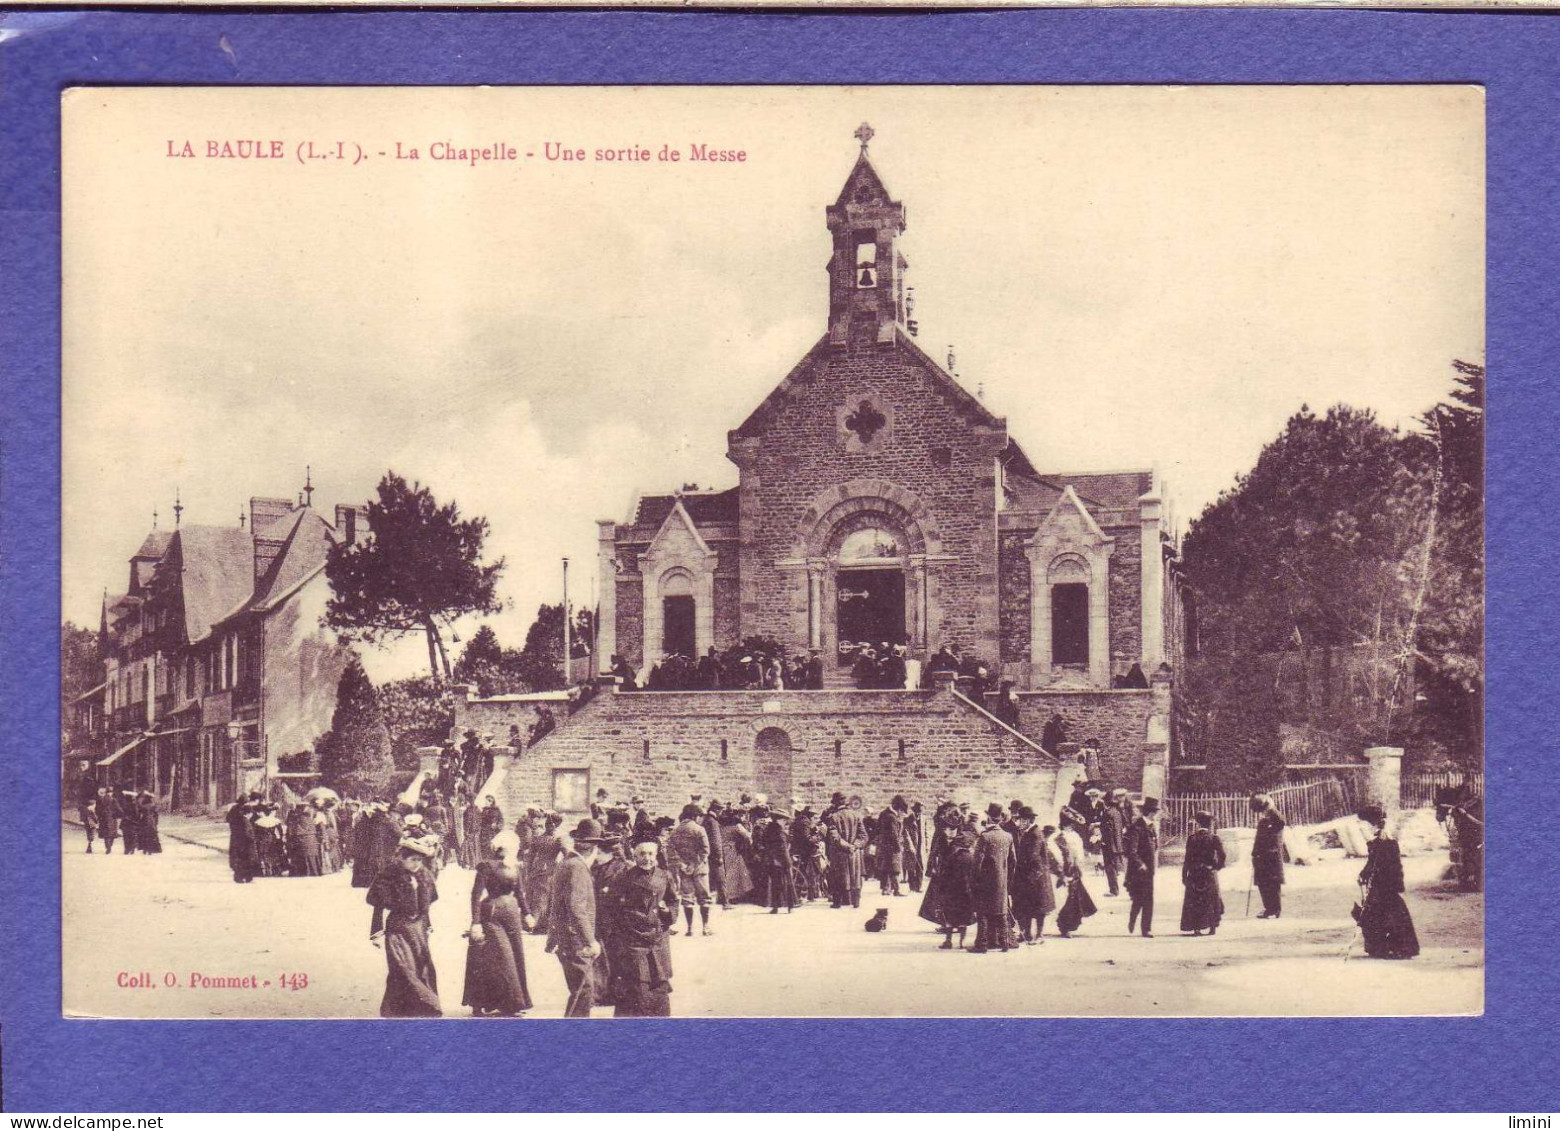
{"points": [[156, 544], [703, 507], [216, 574], [308, 542]]}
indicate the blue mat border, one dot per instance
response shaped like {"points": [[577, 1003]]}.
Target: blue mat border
{"points": [[1497, 1062]]}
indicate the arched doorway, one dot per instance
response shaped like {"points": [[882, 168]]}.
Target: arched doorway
{"points": [[772, 765], [869, 587]]}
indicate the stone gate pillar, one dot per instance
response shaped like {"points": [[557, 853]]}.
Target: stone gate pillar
{"points": [[1385, 785]]}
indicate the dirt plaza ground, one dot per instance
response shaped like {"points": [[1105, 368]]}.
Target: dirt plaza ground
{"points": [[173, 936]]}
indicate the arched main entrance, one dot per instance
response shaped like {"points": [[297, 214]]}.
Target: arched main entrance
{"points": [[869, 587], [772, 765]]}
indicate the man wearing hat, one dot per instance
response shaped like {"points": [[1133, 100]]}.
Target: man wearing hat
{"points": [[845, 834], [891, 845], [1034, 872], [688, 856], [641, 906], [1267, 856], [642, 820], [1113, 827], [1142, 852], [571, 916], [993, 872]]}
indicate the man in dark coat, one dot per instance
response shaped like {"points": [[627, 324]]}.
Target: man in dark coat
{"points": [[571, 916], [642, 905], [814, 671], [1053, 734], [1113, 828], [1142, 850], [1034, 878], [915, 833], [993, 875], [711, 824], [891, 845], [1267, 856], [845, 834]]}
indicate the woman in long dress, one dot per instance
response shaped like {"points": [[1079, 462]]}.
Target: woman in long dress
{"points": [[303, 842], [401, 895], [956, 887], [1079, 905], [1383, 916], [1203, 906], [495, 960], [150, 841], [944, 827]]}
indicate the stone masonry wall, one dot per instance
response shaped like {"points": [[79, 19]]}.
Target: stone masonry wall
{"points": [[800, 456], [1119, 719], [1126, 594], [1015, 598], [845, 740]]}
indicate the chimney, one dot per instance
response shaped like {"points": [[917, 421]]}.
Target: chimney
{"points": [[263, 512], [350, 522]]}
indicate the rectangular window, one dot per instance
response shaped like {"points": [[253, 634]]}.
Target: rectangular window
{"points": [[839, 748], [723, 750], [901, 750], [1070, 623], [647, 750], [571, 791]]}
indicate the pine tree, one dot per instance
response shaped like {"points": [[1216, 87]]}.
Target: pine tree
{"points": [[354, 755]]}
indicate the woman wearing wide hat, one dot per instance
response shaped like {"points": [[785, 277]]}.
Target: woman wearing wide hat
{"points": [[1383, 916], [401, 896], [1079, 905], [1203, 906]]}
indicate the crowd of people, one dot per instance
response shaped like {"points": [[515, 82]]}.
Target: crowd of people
{"points": [[127, 816], [761, 663], [609, 892]]}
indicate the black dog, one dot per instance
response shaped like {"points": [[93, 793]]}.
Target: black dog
{"points": [[878, 922]]}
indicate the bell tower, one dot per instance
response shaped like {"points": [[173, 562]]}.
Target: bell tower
{"points": [[866, 271]]}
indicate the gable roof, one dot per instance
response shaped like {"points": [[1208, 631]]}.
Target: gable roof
{"points": [[307, 546], [216, 574], [703, 507], [679, 517], [965, 403], [155, 545]]}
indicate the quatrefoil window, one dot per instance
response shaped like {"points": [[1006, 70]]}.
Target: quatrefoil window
{"points": [[866, 421]]}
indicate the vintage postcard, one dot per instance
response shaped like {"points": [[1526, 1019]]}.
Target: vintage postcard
{"points": [[745, 551]]}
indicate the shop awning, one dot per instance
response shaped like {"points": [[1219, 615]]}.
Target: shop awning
{"points": [[122, 751]]}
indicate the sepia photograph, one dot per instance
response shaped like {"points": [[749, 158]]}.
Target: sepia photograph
{"points": [[742, 551]]}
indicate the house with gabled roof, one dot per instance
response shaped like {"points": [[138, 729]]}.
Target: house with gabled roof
{"points": [[220, 668]]}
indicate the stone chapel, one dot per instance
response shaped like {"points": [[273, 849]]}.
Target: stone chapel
{"points": [[877, 500]]}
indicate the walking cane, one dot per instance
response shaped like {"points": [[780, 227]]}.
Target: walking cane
{"points": [[1249, 886]]}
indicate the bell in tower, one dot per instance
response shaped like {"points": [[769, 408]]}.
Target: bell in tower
{"points": [[866, 272]]}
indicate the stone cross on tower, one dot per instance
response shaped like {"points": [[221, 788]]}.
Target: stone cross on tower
{"points": [[864, 134]]}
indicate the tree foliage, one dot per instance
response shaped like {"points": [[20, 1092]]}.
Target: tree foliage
{"points": [[81, 669], [418, 712], [1334, 578], [539, 664], [418, 569], [354, 755]]}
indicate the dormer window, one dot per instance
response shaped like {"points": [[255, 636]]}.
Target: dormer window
{"points": [[866, 260]]}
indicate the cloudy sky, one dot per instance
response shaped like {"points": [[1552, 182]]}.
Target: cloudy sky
{"points": [[1137, 276]]}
